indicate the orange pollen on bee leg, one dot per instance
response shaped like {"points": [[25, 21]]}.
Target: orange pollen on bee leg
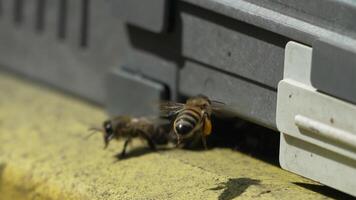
{"points": [[207, 127]]}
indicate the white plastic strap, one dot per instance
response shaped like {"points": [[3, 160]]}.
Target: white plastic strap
{"points": [[326, 131]]}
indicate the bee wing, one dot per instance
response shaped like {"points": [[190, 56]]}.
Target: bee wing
{"points": [[215, 102], [219, 108], [158, 121], [217, 105], [169, 109]]}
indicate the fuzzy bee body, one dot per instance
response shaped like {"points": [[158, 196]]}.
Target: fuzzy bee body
{"points": [[190, 119], [154, 131], [187, 121]]}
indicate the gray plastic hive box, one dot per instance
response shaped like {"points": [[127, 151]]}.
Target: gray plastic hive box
{"points": [[232, 51], [152, 14], [334, 69]]}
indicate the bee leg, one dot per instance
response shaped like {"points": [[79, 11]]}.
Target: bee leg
{"points": [[206, 129], [151, 144], [203, 138], [149, 140], [123, 152], [179, 139]]}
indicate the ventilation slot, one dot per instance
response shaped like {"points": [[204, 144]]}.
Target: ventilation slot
{"points": [[40, 15], [62, 19], [84, 26], [18, 11]]}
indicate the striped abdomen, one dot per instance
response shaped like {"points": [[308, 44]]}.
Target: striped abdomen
{"points": [[187, 121]]}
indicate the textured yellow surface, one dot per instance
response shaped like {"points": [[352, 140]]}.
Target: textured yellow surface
{"points": [[43, 156]]}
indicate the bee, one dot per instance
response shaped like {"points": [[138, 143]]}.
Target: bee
{"points": [[192, 118], [153, 130]]}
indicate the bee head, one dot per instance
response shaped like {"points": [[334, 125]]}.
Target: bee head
{"points": [[108, 132]]}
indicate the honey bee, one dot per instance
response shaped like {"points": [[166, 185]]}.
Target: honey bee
{"points": [[192, 118], [154, 131]]}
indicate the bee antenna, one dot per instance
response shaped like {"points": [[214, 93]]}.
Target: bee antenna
{"points": [[92, 130]]}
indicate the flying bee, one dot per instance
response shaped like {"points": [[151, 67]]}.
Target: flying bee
{"points": [[153, 130], [192, 118]]}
